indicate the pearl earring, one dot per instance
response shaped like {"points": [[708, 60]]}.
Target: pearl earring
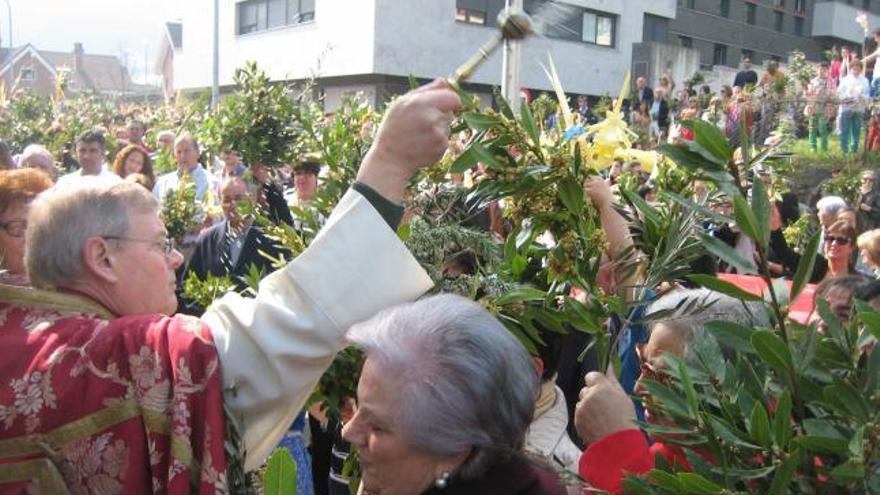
{"points": [[442, 481]]}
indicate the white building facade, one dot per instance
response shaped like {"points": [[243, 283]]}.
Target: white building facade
{"points": [[372, 46]]}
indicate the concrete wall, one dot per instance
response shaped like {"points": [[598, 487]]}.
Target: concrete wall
{"points": [[837, 20], [338, 42], [403, 37], [435, 48]]}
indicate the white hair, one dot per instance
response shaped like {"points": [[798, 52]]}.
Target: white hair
{"points": [[37, 151], [830, 204], [464, 381], [63, 219], [713, 306]]}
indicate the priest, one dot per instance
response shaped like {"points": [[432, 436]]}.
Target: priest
{"points": [[102, 391]]}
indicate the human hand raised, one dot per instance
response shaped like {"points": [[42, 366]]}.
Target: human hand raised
{"points": [[414, 133], [599, 192], [603, 408]]}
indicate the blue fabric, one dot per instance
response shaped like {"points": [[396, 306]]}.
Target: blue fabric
{"points": [[630, 337], [294, 442]]}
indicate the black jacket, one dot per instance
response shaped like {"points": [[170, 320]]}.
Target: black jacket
{"points": [[869, 220], [212, 255]]}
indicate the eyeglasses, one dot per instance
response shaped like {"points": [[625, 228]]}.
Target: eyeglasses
{"points": [[841, 241], [867, 179], [649, 371], [15, 228], [165, 246]]}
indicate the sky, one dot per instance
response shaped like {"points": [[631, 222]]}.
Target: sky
{"points": [[125, 28]]}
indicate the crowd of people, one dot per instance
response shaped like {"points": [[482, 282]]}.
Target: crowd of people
{"points": [[113, 382]]}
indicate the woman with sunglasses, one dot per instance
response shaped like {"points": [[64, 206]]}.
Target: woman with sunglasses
{"points": [[840, 239], [837, 256], [17, 189]]}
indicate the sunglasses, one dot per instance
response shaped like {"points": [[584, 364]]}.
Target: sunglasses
{"points": [[841, 241]]}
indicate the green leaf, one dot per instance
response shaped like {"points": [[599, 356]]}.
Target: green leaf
{"points": [[759, 426], [805, 267], [782, 420], [413, 82], [849, 471], [710, 138], [732, 335], [821, 445], [857, 444], [465, 161], [280, 475], [669, 399], [689, 391], [719, 248], [784, 474], [694, 483], [745, 218], [714, 283], [520, 294], [685, 158], [528, 123], [773, 351], [481, 121], [848, 399], [571, 195], [486, 157], [761, 208], [666, 480]]}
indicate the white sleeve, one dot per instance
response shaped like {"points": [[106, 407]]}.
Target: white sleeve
{"points": [[274, 348]]}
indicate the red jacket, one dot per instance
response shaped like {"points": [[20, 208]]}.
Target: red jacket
{"points": [[606, 462]]}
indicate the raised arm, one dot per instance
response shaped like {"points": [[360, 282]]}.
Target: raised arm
{"points": [[275, 347]]}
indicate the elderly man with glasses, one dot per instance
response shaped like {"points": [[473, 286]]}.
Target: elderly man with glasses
{"points": [[101, 391], [869, 202]]}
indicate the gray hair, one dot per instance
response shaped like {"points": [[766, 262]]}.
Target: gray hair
{"points": [[62, 220], [465, 382], [712, 306], [36, 151], [830, 205]]}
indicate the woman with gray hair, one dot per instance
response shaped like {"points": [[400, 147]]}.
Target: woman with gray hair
{"points": [[605, 418], [445, 397]]}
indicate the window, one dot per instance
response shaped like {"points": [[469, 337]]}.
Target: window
{"points": [[300, 11], [598, 29], [655, 28], [470, 16], [800, 6], [725, 8], [259, 15], [751, 13], [686, 41], [27, 74], [690, 4], [799, 26], [866, 4], [719, 55], [780, 4], [779, 19]]}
